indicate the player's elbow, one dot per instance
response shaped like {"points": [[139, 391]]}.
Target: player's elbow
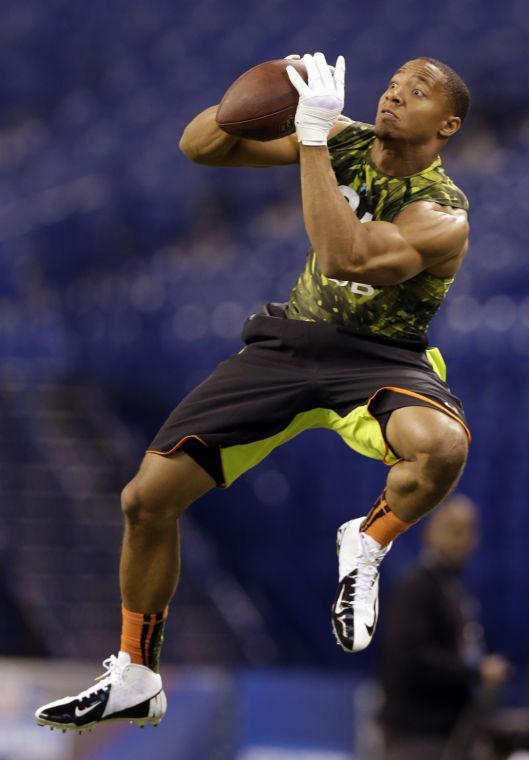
{"points": [[361, 271], [339, 262], [335, 272], [367, 274], [206, 153], [389, 274], [189, 148], [380, 277], [186, 146]]}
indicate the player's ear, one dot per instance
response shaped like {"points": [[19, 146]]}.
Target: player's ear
{"points": [[450, 126]]}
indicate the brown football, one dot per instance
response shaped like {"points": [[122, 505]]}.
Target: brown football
{"points": [[261, 103]]}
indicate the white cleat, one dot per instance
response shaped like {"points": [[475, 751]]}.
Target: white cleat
{"points": [[125, 692], [355, 609]]}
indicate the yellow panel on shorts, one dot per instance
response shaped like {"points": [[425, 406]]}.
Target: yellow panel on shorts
{"points": [[359, 430], [435, 358]]}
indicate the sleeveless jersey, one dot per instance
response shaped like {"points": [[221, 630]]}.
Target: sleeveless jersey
{"points": [[396, 312]]}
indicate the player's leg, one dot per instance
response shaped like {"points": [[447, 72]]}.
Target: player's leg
{"points": [[131, 688], [433, 449], [251, 403], [151, 503]]}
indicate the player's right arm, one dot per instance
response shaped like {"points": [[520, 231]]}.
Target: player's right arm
{"points": [[204, 142]]}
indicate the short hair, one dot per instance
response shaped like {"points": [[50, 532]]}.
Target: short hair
{"points": [[457, 92]]}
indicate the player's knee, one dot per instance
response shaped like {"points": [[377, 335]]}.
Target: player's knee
{"points": [[446, 450], [140, 506], [133, 504]]}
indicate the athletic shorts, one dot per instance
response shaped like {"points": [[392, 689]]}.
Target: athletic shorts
{"points": [[294, 375]]}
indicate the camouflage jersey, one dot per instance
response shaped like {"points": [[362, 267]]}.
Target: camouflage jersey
{"points": [[397, 312]]}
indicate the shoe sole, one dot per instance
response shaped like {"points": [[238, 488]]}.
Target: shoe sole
{"points": [[152, 720], [338, 641], [339, 535], [140, 722]]}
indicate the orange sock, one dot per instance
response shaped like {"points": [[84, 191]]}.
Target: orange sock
{"points": [[142, 636], [382, 524]]}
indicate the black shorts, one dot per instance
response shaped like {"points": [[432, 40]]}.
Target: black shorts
{"points": [[294, 375]]}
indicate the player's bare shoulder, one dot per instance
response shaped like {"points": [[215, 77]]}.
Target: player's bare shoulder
{"points": [[439, 232]]}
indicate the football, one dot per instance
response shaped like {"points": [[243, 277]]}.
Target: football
{"points": [[261, 103]]}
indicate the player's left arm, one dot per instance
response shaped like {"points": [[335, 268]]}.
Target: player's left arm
{"points": [[423, 236]]}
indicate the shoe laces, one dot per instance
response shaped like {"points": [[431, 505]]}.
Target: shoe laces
{"points": [[113, 674], [369, 560]]}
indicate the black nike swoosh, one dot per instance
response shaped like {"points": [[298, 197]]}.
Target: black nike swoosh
{"points": [[371, 628]]}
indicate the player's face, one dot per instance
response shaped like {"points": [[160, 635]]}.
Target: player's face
{"points": [[414, 105]]}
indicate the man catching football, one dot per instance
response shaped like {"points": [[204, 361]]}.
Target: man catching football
{"points": [[348, 352]]}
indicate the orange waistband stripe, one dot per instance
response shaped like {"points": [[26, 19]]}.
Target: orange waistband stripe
{"points": [[427, 400], [177, 445]]}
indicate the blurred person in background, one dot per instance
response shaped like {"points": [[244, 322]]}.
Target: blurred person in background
{"points": [[348, 352], [439, 683]]}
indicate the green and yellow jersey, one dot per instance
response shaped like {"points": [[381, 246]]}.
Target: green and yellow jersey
{"points": [[396, 312]]}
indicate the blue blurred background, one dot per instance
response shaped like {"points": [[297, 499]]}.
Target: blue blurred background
{"points": [[126, 274]]}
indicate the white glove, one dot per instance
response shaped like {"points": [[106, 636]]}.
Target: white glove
{"points": [[321, 100], [297, 57]]}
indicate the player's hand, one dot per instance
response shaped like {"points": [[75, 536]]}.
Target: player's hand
{"points": [[320, 100], [297, 57]]}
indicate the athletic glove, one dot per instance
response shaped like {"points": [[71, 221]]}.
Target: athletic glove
{"points": [[320, 100], [297, 57]]}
